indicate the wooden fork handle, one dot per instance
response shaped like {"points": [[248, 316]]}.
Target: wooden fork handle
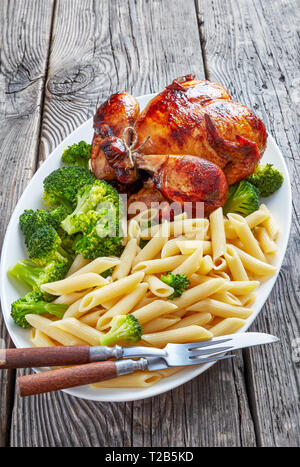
{"points": [[64, 378], [44, 356], [80, 375]]}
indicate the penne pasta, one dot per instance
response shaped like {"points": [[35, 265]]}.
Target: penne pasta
{"points": [[153, 310], [156, 266], [126, 260], [110, 291], [254, 265], [227, 326], [170, 248], [241, 287], [206, 265], [39, 339], [266, 243], [227, 297], [160, 323], [152, 248], [44, 324], [250, 244], [198, 292], [134, 230], [191, 264], [91, 318], [79, 329], [139, 379], [77, 264], [224, 310], [158, 287], [98, 266], [235, 265], [176, 336], [74, 283], [257, 217], [217, 229], [68, 299], [198, 319], [123, 306]]}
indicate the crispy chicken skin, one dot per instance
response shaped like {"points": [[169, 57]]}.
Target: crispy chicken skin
{"points": [[113, 116], [199, 118]]}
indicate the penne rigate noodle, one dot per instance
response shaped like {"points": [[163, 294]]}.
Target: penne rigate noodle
{"points": [[126, 260], [98, 266], [39, 339], [176, 228], [217, 231], [150, 250], [206, 265], [155, 266], [241, 287], [235, 265], [227, 326], [257, 217], [247, 300], [91, 318], [74, 283], [227, 297], [191, 264], [153, 310], [160, 323], [179, 313], [78, 263], [123, 306], [198, 319], [68, 299], [110, 291], [266, 243], [187, 247], [79, 329], [144, 301], [224, 310], [170, 248], [230, 233], [250, 244], [270, 224], [177, 336], [134, 230], [45, 325], [220, 275], [254, 265], [219, 264], [139, 379], [158, 287], [198, 292]]}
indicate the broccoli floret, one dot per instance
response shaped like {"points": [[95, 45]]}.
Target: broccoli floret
{"points": [[33, 303], [107, 273], [96, 219], [62, 185], [243, 198], [266, 179], [78, 154], [179, 282], [125, 330], [45, 246], [32, 220]]}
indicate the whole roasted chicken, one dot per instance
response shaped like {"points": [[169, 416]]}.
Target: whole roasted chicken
{"points": [[192, 136]]}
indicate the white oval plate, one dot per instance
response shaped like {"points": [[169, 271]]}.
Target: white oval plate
{"points": [[14, 250]]}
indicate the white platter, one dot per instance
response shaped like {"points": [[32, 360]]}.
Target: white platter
{"points": [[14, 249]]}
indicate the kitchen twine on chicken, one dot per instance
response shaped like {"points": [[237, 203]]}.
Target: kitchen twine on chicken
{"points": [[130, 149]]}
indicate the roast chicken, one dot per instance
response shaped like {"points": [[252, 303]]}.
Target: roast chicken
{"points": [[192, 136]]}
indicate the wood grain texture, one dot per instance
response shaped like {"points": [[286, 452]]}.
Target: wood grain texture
{"points": [[139, 46], [252, 48], [24, 51]]}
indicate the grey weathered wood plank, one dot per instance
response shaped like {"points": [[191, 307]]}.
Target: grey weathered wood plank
{"points": [[24, 51], [252, 48], [98, 48]]}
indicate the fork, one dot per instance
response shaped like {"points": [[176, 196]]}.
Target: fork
{"points": [[156, 359]]}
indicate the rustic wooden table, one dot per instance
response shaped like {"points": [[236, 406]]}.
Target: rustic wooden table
{"points": [[59, 60]]}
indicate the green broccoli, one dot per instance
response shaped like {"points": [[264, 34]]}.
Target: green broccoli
{"points": [[267, 179], [96, 219], [33, 303], [78, 154], [45, 246], [243, 198], [34, 276], [62, 185], [179, 282], [107, 273], [125, 330]]}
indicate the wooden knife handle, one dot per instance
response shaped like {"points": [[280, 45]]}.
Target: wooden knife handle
{"points": [[44, 356], [64, 378]]}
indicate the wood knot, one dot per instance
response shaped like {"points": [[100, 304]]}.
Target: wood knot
{"points": [[71, 80]]}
